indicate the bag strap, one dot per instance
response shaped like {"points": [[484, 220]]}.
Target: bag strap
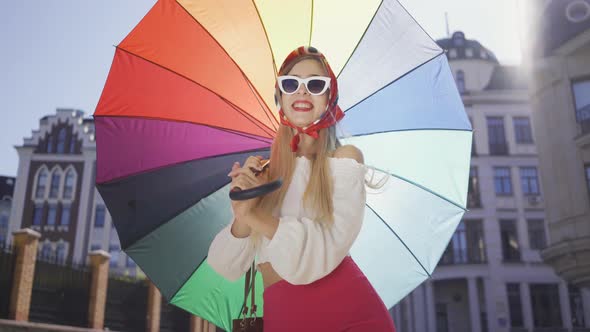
{"points": [[246, 284], [253, 294]]}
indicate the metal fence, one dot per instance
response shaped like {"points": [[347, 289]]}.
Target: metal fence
{"points": [[7, 263], [60, 293], [126, 307], [173, 319]]}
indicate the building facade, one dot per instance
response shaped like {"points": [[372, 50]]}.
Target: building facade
{"points": [[55, 193], [559, 58], [492, 276]]}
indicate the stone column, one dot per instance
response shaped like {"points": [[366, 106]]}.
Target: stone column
{"points": [[154, 308], [527, 308], [99, 260], [586, 303], [419, 309], [474, 310], [564, 301], [198, 324], [25, 241], [430, 306]]}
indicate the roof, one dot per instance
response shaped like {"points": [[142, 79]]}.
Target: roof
{"points": [[507, 78], [458, 47]]}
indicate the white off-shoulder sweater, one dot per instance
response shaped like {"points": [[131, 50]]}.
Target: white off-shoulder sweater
{"points": [[302, 250]]}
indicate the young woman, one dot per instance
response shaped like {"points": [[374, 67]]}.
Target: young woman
{"points": [[301, 234]]}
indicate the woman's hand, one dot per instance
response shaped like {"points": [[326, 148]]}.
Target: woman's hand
{"points": [[245, 178]]}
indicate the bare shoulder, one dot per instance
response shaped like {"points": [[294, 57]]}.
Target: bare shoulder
{"points": [[349, 151]]}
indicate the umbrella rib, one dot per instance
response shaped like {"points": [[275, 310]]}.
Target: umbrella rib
{"points": [[423, 188], [245, 114], [264, 109], [258, 98], [360, 39], [128, 176], [274, 63], [395, 80], [409, 129], [233, 131], [310, 24], [399, 238]]}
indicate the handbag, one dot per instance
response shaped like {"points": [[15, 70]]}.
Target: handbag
{"points": [[251, 323]]}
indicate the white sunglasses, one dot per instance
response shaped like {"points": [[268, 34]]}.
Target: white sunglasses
{"points": [[315, 85]]}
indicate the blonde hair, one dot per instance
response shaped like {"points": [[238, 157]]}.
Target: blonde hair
{"points": [[317, 197]]}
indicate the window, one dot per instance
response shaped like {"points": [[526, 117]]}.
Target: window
{"points": [[3, 220], [577, 306], [41, 184], [49, 143], [453, 53], [61, 253], [581, 92], [46, 251], [545, 303], [460, 80], [529, 180], [65, 215], [73, 144], [114, 252], [61, 141], [502, 181], [476, 248], [51, 214], [514, 305], [522, 130], [37, 215], [55, 179], [99, 216], [466, 245], [469, 52], [458, 246], [536, 228], [496, 135], [69, 185], [510, 247], [473, 196]]}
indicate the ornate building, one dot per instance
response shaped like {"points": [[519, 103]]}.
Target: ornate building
{"points": [[492, 276], [55, 192]]}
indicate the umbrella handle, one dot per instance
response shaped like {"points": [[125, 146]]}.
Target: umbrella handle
{"points": [[237, 194]]}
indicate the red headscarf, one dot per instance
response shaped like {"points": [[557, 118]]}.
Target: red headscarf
{"points": [[333, 113]]}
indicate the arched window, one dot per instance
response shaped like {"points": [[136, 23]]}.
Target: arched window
{"points": [[49, 143], [61, 253], [46, 251], [460, 80], [72, 144], [41, 183], [69, 184], [55, 182], [61, 141]]}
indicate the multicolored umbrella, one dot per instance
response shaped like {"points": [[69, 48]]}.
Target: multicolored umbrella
{"points": [[190, 91]]}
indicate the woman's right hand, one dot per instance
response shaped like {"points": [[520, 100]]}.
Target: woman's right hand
{"points": [[245, 178]]}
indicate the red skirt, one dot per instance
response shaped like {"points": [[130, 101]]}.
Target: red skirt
{"points": [[344, 300]]}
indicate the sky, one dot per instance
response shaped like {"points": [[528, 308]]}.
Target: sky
{"points": [[57, 54]]}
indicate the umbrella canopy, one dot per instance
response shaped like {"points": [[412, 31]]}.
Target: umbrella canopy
{"points": [[190, 91]]}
